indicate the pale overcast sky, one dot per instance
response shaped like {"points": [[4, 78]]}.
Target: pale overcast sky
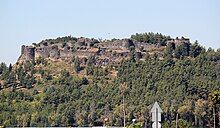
{"points": [[28, 21]]}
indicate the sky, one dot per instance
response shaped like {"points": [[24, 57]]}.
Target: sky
{"points": [[28, 21]]}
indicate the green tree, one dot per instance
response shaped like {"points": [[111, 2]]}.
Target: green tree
{"points": [[90, 65], [182, 50], [195, 49], [77, 67], [169, 50]]}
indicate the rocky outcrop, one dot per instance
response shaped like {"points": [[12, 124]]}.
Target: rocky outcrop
{"points": [[104, 51]]}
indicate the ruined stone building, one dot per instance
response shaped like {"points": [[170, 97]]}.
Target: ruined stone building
{"points": [[104, 51], [179, 41], [27, 53]]}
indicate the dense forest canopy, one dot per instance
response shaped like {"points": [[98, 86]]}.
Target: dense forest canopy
{"points": [[185, 81]]}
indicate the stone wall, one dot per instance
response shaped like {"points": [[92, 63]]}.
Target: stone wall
{"points": [[108, 51], [123, 44], [179, 41], [27, 53]]}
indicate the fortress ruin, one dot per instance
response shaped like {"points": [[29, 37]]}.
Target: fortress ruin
{"points": [[104, 51]]}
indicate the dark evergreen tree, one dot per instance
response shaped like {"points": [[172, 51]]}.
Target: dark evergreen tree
{"points": [[10, 68], [195, 49], [169, 50], [77, 67]]}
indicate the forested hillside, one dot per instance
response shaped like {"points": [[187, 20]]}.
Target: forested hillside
{"points": [[185, 81]]}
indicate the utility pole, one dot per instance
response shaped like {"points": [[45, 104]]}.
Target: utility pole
{"points": [[156, 117], [124, 108], [214, 115], [123, 87], [177, 120]]}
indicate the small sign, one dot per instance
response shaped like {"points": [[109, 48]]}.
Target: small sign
{"points": [[156, 115], [156, 106], [156, 125]]}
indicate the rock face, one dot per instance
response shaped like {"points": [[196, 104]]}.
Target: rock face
{"points": [[107, 51]]}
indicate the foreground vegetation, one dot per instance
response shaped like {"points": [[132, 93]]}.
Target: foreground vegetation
{"points": [[46, 93]]}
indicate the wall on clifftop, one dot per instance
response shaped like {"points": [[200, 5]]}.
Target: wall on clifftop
{"points": [[111, 50]]}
